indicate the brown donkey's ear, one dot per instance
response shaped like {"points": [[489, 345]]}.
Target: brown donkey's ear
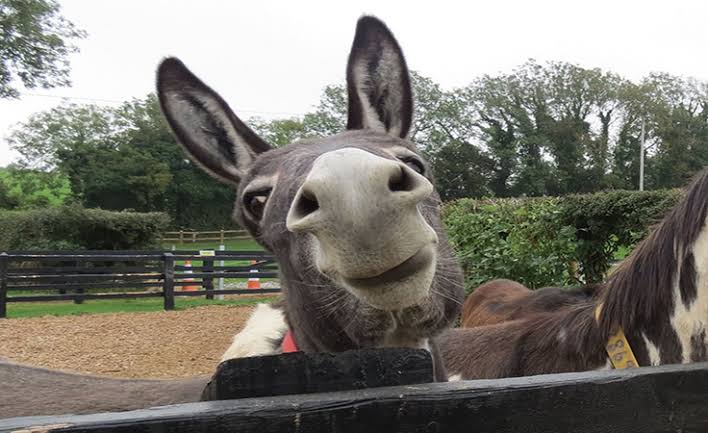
{"points": [[378, 82], [204, 124]]}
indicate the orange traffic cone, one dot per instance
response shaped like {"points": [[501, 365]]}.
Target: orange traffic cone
{"points": [[191, 287], [254, 282]]}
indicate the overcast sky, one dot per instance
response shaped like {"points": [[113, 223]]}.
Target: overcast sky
{"points": [[272, 59]]}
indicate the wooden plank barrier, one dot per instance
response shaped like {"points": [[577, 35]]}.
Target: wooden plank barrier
{"points": [[192, 236], [662, 399], [37, 276], [304, 373]]}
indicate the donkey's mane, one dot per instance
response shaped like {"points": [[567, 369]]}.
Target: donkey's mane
{"points": [[641, 290]]}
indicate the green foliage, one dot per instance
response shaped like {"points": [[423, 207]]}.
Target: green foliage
{"points": [[35, 42], [124, 158], [523, 240], [606, 221], [329, 118], [540, 130], [24, 189], [550, 241], [557, 128], [73, 227]]}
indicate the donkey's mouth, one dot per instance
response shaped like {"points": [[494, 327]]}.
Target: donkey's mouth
{"points": [[410, 266]]}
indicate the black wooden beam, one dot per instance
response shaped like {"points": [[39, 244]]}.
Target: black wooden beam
{"points": [[647, 400], [305, 373]]}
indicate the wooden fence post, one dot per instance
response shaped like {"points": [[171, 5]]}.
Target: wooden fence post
{"points": [[181, 236], [221, 237], [78, 300], [168, 287], [208, 282], [4, 260]]}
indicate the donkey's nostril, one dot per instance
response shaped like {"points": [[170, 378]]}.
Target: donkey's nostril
{"points": [[401, 181], [306, 204]]}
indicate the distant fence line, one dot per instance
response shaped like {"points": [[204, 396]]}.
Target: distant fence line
{"points": [[193, 236], [152, 273]]}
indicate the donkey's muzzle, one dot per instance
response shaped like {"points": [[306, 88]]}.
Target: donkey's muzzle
{"points": [[363, 211]]}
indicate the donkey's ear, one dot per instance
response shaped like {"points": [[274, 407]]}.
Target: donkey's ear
{"points": [[204, 124], [377, 81]]}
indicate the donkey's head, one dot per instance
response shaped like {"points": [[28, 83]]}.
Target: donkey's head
{"points": [[358, 208]]}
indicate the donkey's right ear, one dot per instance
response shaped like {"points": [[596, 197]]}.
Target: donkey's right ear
{"points": [[204, 124]]}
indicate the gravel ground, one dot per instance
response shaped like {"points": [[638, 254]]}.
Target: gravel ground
{"points": [[163, 344]]}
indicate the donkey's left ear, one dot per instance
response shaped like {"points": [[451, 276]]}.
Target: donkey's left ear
{"points": [[378, 82], [211, 133]]}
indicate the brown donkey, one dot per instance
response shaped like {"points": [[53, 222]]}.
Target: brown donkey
{"points": [[353, 219], [658, 297], [501, 300]]}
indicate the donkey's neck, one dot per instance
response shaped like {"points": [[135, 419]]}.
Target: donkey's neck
{"points": [[660, 298]]}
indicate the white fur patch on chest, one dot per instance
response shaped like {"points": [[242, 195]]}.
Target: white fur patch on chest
{"points": [[454, 378], [266, 324]]}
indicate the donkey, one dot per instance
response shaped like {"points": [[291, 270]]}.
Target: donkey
{"points": [[501, 300], [493, 302], [353, 219], [658, 298], [28, 391]]}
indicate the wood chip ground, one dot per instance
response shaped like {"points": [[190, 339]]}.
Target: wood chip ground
{"points": [[165, 344]]}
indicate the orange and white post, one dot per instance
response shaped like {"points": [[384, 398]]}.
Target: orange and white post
{"points": [[253, 282], [189, 287]]}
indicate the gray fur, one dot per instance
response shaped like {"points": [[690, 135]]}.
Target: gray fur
{"points": [[326, 315], [321, 263]]}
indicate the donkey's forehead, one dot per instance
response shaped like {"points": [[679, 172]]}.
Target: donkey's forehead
{"points": [[298, 157]]}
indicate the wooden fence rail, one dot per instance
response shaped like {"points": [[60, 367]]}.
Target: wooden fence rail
{"points": [[184, 236], [648, 400], [28, 276]]}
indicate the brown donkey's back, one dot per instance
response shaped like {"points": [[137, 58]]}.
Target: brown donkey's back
{"points": [[31, 391], [501, 300]]}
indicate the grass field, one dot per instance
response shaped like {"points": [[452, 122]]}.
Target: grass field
{"points": [[61, 308], [233, 245]]}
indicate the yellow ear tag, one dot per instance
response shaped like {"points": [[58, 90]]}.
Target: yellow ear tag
{"points": [[618, 348]]}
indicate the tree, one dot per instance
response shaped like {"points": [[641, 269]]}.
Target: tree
{"points": [[123, 158], [35, 42], [678, 123], [542, 129], [23, 188], [280, 132], [168, 180]]}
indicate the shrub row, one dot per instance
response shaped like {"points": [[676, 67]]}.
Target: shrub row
{"points": [[74, 227], [550, 241]]}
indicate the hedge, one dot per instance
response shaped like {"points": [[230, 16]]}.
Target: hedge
{"points": [[76, 228], [550, 241]]}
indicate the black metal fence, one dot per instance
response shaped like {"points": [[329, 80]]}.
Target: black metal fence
{"points": [[40, 276]]}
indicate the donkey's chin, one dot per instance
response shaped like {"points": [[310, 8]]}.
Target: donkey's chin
{"points": [[402, 286]]}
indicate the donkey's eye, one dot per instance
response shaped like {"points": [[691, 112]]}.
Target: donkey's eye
{"points": [[255, 202], [414, 163]]}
